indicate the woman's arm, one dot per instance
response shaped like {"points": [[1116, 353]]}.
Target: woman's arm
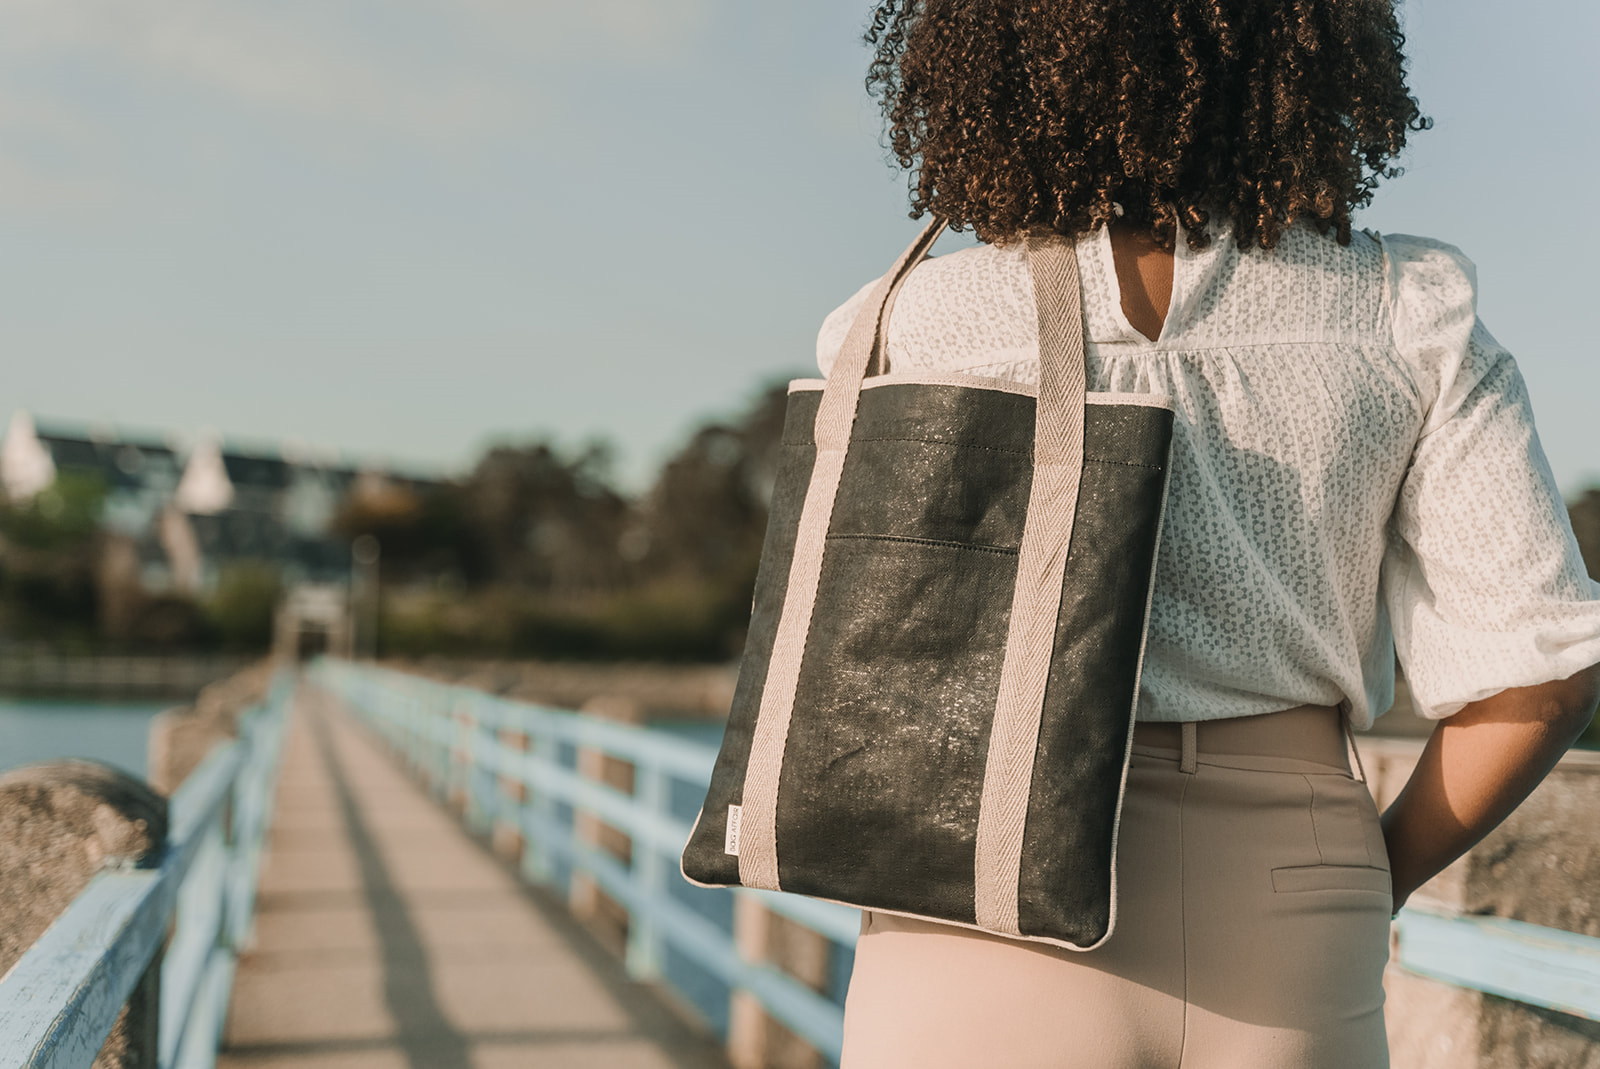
{"points": [[1478, 765]]}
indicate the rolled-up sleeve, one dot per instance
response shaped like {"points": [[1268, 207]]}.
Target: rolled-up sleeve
{"points": [[1482, 577]]}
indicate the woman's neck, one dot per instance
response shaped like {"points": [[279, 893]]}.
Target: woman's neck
{"points": [[1144, 276]]}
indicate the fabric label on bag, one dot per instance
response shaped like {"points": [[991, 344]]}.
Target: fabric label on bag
{"points": [[730, 844]]}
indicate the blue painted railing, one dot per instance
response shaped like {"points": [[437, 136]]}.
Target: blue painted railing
{"points": [[61, 998], [1513, 959], [453, 735]]}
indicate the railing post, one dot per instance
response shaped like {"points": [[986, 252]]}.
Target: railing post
{"points": [[747, 1019], [441, 732], [200, 925], [506, 835], [537, 818], [460, 767], [584, 895], [252, 812], [405, 718], [762, 937], [489, 754], [245, 819], [472, 811], [645, 947]]}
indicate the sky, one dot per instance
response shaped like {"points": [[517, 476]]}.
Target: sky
{"points": [[407, 229]]}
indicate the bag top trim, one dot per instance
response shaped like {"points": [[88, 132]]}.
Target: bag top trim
{"points": [[951, 378]]}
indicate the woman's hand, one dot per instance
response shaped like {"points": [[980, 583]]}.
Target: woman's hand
{"points": [[1476, 768]]}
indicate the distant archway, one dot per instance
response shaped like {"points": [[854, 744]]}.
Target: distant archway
{"points": [[314, 619]]}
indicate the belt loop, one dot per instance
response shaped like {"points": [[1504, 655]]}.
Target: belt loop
{"points": [[1356, 768], [1190, 735]]}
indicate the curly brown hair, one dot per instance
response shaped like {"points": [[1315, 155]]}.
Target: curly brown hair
{"points": [[1019, 114]]}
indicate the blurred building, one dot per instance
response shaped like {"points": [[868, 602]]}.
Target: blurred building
{"points": [[191, 508]]}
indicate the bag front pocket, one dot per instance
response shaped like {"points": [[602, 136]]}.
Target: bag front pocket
{"points": [[884, 758]]}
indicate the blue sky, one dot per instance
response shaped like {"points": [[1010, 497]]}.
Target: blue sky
{"points": [[406, 228]]}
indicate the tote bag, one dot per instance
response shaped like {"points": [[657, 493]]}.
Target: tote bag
{"points": [[934, 711]]}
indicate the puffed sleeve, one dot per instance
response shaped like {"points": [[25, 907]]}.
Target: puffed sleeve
{"points": [[1482, 578], [830, 339]]}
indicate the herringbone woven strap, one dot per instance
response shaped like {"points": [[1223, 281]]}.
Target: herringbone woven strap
{"points": [[1041, 568]]}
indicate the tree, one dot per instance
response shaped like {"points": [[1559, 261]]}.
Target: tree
{"points": [[49, 548], [423, 532], [242, 607], [706, 515], [1585, 516], [543, 520]]}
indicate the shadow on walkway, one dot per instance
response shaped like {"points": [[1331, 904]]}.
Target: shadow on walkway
{"points": [[387, 937]]}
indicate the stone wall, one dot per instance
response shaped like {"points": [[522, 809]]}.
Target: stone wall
{"points": [[60, 823], [660, 691], [181, 737]]}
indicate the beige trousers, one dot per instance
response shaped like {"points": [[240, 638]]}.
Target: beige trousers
{"points": [[1252, 928]]}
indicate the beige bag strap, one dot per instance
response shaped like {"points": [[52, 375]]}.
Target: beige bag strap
{"points": [[878, 359], [1041, 569], [866, 339], [758, 834]]}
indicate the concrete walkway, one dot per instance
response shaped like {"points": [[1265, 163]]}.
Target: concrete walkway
{"points": [[386, 938]]}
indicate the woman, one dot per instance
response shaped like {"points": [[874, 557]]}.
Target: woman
{"points": [[1355, 475]]}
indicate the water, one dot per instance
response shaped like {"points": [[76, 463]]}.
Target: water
{"points": [[45, 730], [708, 732]]}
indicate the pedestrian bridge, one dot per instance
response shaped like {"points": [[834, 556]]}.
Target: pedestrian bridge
{"points": [[386, 937], [453, 879]]}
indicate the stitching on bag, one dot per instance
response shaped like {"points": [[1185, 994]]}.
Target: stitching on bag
{"points": [[1123, 463], [941, 441], [999, 449], [928, 542], [810, 444]]}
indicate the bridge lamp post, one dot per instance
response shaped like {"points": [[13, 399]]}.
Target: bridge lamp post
{"points": [[364, 551]]}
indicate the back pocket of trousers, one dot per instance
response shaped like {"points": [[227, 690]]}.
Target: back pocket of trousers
{"points": [[1343, 827], [1331, 878], [1345, 822]]}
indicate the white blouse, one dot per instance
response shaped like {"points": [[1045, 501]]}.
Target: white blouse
{"points": [[1355, 470]]}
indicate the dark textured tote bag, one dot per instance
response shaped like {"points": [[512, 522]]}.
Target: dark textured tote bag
{"points": [[934, 712]]}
